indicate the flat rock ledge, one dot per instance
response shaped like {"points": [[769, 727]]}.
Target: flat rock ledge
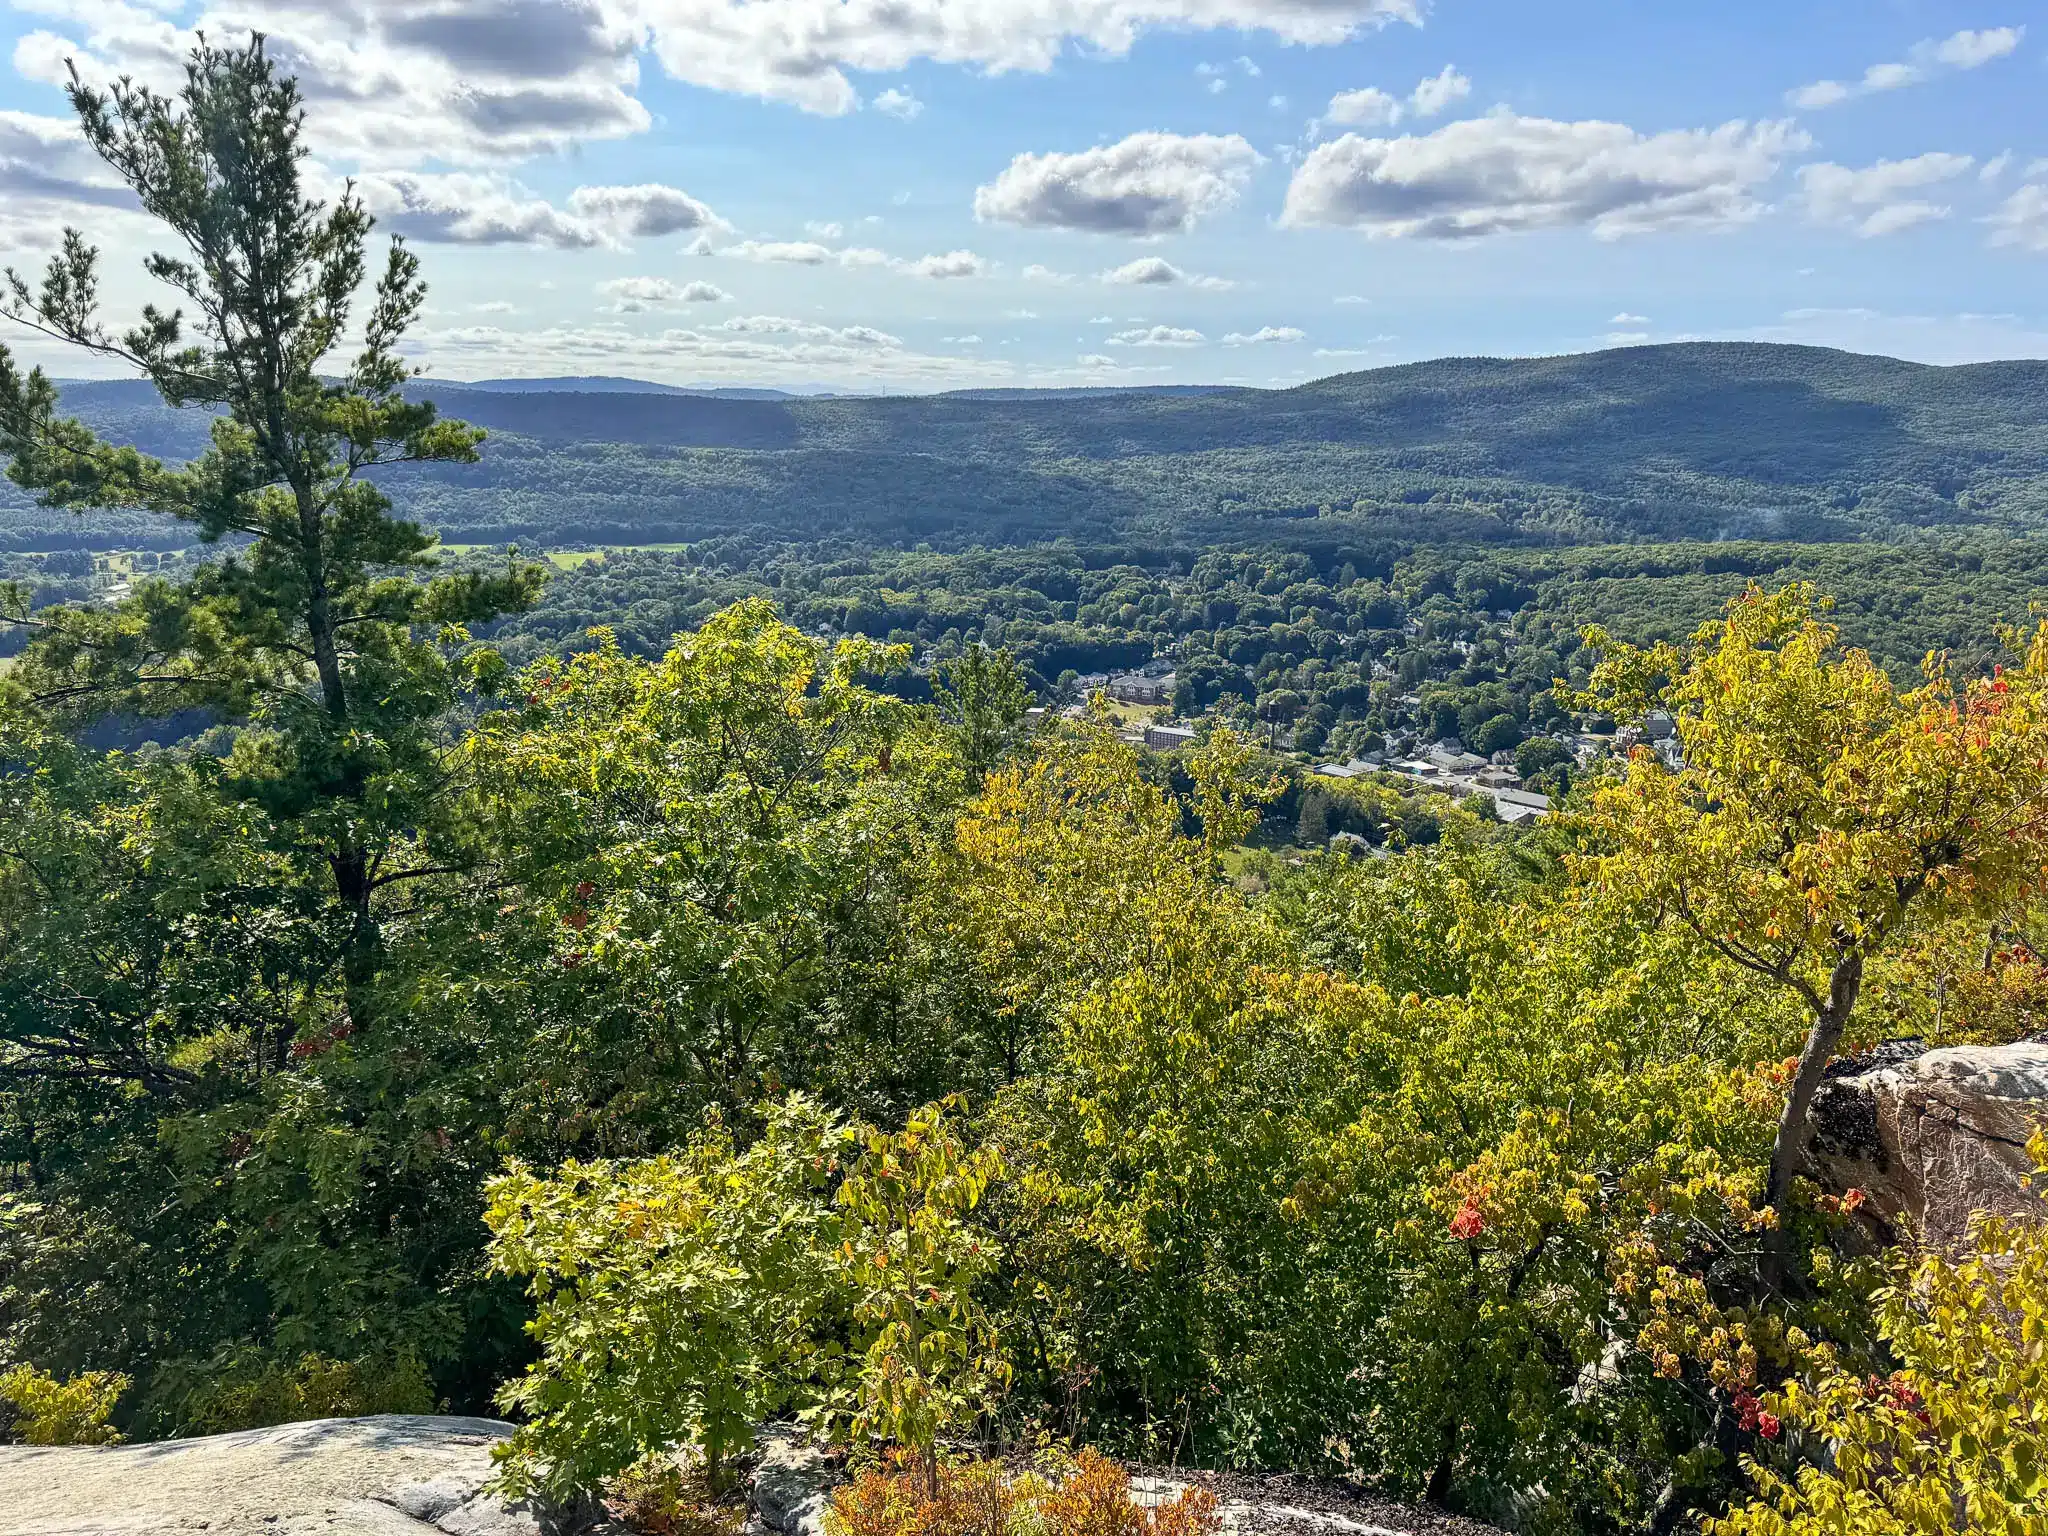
{"points": [[1284, 1504], [423, 1475], [387, 1475]]}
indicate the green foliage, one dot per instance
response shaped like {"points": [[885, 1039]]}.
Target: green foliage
{"points": [[38, 1409], [983, 696], [826, 1268], [1955, 1441], [252, 1393], [681, 1300], [931, 1361]]}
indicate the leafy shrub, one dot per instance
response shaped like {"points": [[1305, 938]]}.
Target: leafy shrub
{"points": [[681, 1299], [827, 1268], [1095, 1500], [658, 1496], [38, 1409], [250, 1395], [1089, 1496]]}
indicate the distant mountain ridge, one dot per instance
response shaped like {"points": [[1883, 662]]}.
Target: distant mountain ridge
{"points": [[1695, 440]]}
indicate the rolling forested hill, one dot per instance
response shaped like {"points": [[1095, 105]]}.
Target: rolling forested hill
{"points": [[1696, 441]]}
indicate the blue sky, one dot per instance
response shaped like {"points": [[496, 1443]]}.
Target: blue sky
{"points": [[920, 194]]}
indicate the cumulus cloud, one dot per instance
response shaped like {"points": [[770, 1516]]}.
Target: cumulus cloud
{"points": [[1625, 318], [1961, 50], [810, 253], [2022, 219], [952, 264], [1438, 91], [806, 330], [1157, 336], [465, 82], [1878, 199], [1264, 335], [634, 295], [802, 56], [469, 208], [650, 209], [1157, 272], [1372, 107], [898, 104], [1147, 184], [1503, 173], [801, 253], [394, 82]]}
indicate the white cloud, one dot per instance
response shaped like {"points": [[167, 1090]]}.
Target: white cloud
{"points": [[472, 208], [1156, 271], [1372, 107], [1967, 50], [1995, 167], [824, 229], [1962, 50], [1504, 173], [1438, 91], [801, 55], [754, 350], [391, 82], [1147, 184], [1625, 318], [962, 341], [952, 264], [898, 104], [634, 295], [1878, 200], [800, 253], [811, 253], [650, 209], [463, 82], [1351, 298], [1157, 336], [1041, 274], [2022, 219], [1264, 335], [487, 208], [806, 330]]}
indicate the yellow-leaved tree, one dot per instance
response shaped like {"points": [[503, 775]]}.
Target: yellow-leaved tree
{"points": [[1820, 810]]}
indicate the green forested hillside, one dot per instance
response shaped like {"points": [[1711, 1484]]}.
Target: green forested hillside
{"points": [[1702, 441]]}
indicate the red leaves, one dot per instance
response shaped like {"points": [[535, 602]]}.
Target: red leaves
{"points": [[577, 919], [1852, 1202], [1470, 1220], [1751, 1415]]}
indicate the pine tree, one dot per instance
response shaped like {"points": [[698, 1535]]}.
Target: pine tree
{"points": [[322, 631]]}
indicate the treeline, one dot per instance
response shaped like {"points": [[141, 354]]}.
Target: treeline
{"points": [[1348, 641]]}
